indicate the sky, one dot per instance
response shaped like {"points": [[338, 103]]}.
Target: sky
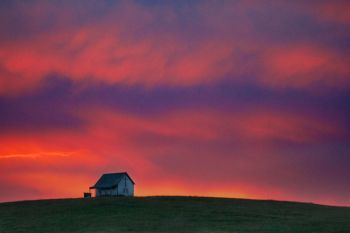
{"points": [[245, 99]]}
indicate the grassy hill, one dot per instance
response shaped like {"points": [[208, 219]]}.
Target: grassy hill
{"points": [[170, 214]]}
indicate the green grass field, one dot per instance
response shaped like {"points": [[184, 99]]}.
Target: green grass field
{"points": [[170, 214]]}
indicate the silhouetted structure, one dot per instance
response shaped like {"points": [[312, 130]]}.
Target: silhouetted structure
{"points": [[87, 195], [114, 184]]}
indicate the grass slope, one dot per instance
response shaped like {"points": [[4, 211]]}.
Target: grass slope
{"points": [[170, 214]]}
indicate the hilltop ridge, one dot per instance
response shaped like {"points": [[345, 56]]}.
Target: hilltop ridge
{"points": [[171, 214]]}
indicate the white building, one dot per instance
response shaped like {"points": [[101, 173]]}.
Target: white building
{"points": [[114, 184]]}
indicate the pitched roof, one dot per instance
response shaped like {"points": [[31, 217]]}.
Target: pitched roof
{"points": [[110, 180]]}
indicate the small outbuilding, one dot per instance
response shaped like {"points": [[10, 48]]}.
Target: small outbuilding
{"points": [[114, 184]]}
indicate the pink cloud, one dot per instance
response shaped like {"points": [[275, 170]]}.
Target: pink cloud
{"points": [[305, 66], [111, 50], [333, 11]]}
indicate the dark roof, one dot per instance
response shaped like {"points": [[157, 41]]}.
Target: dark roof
{"points": [[110, 180]]}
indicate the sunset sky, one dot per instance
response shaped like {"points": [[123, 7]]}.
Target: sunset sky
{"points": [[247, 99]]}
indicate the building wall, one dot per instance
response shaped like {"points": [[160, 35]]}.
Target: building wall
{"points": [[106, 192], [126, 187]]}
